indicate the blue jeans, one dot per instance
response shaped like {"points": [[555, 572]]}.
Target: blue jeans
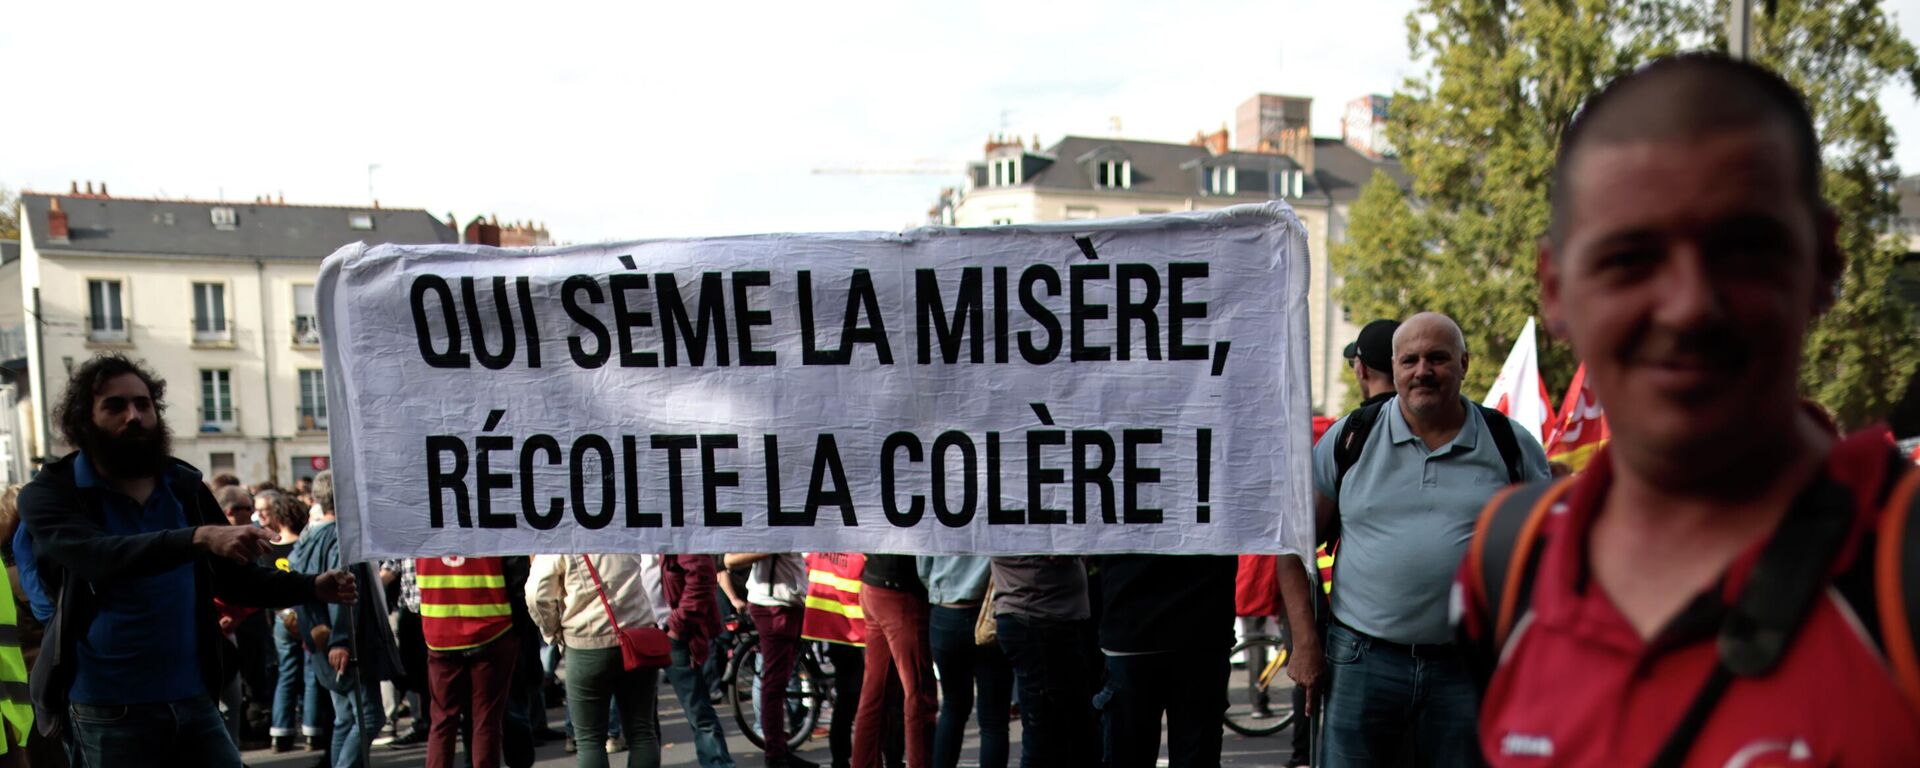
{"points": [[690, 685], [357, 719], [1055, 677], [1189, 686], [291, 686], [963, 665], [184, 732], [1390, 708]]}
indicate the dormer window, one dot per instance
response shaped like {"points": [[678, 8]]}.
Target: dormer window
{"points": [[224, 218], [1222, 180], [1114, 174], [360, 222], [1004, 172]]}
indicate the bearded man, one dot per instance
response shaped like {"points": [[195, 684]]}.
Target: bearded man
{"points": [[133, 549]]}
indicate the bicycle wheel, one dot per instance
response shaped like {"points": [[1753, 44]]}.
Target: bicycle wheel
{"points": [[805, 696], [1260, 695]]}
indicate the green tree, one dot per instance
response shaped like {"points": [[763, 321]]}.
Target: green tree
{"points": [[1477, 135], [9, 214]]}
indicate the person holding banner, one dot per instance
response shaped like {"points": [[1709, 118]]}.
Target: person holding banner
{"points": [[576, 600], [1403, 510], [1043, 616], [894, 602], [688, 586], [776, 596], [956, 584], [131, 656], [1728, 582]]}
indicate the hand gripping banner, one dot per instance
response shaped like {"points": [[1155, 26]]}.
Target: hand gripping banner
{"points": [[1135, 385]]}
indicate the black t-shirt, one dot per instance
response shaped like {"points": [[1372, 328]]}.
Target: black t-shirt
{"points": [[1155, 603], [276, 556], [900, 573]]}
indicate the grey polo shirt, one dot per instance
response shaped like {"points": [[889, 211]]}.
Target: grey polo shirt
{"points": [[1406, 515]]}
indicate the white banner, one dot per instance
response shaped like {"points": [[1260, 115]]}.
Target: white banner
{"points": [[1135, 385]]}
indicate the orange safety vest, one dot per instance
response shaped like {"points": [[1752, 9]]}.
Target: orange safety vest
{"points": [[463, 601], [833, 599]]}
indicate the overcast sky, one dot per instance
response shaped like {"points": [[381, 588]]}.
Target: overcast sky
{"points": [[651, 119]]}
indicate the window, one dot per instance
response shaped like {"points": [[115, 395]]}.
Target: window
{"points": [[225, 219], [209, 312], [218, 463], [1076, 212], [1256, 181], [1001, 221], [216, 401], [1222, 180], [360, 221], [106, 320], [1005, 172], [313, 401], [306, 321], [1116, 174]]}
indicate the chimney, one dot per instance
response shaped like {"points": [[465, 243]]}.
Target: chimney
{"points": [[452, 223], [56, 223], [482, 232], [74, 189], [1216, 142], [89, 188], [103, 189]]}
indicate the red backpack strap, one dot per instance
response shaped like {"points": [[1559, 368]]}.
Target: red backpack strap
{"points": [[1897, 584], [1505, 551]]}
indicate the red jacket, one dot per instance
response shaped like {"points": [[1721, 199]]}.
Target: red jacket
{"points": [[689, 584]]}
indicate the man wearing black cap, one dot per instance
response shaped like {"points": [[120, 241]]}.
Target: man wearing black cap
{"points": [[1371, 356]]}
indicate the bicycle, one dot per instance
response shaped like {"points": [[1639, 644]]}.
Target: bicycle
{"points": [[808, 692], [1263, 706]]}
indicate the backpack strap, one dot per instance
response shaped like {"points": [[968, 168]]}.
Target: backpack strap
{"points": [[1897, 584], [1353, 440], [1501, 428], [1505, 551]]}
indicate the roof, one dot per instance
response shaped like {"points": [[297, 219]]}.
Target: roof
{"points": [[140, 226], [9, 251], [1343, 170], [1172, 169]]}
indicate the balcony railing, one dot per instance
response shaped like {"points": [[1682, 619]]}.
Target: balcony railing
{"points": [[224, 335], [220, 421], [306, 330], [311, 419], [114, 330]]}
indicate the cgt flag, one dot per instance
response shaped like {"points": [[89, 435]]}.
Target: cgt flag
{"points": [[1582, 426], [1519, 392]]}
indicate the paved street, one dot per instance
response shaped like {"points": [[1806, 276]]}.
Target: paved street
{"points": [[677, 749]]}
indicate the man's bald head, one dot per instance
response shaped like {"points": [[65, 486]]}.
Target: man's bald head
{"points": [[1686, 97], [1430, 324]]}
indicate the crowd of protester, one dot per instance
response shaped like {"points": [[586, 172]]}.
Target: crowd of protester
{"points": [[162, 618]]}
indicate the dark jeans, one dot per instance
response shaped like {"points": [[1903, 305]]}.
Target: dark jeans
{"points": [[690, 686], [779, 644], [965, 665], [1389, 708], [595, 679], [184, 732], [1188, 686], [1055, 677]]}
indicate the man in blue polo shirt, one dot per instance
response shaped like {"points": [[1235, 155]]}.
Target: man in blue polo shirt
{"points": [[1404, 512], [132, 548]]}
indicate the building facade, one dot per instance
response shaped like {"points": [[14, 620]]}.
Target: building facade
{"points": [[216, 297], [1272, 157]]}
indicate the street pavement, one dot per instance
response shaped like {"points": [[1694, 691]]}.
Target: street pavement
{"points": [[677, 747]]}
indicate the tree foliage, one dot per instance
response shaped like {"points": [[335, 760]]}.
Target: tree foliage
{"points": [[1477, 135], [9, 214]]}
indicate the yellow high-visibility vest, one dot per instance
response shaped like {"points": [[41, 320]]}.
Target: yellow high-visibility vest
{"points": [[16, 706]]}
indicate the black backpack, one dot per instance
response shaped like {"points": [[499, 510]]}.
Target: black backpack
{"points": [[1359, 424]]}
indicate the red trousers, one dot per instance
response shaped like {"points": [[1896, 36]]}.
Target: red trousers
{"points": [[472, 683], [897, 641]]}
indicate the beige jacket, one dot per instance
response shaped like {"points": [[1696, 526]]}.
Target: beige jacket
{"points": [[567, 608]]}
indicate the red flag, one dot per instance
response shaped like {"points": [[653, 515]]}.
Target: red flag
{"points": [[1581, 428]]}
